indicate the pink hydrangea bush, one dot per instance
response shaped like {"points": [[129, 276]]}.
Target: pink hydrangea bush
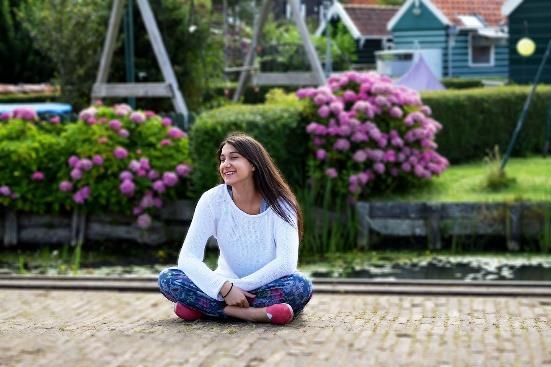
{"points": [[119, 162], [368, 135], [28, 157], [28, 114]]}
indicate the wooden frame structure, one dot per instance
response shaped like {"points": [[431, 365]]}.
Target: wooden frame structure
{"points": [[315, 77], [167, 89]]}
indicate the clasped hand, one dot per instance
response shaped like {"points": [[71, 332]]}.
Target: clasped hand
{"points": [[238, 297]]}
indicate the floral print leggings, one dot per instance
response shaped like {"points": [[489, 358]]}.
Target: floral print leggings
{"points": [[294, 289]]}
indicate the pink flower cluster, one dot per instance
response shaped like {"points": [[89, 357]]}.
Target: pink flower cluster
{"points": [[25, 113], [139, 182], [385, 130], [122, 109], [88, 115], [176, 133], [157, 181], [82, 195], [79, 166], [37, 176], [7, 192]]}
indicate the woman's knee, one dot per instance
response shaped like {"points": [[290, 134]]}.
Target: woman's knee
{"points": [[302, 283], [300, 291], [164, 275], [166, 279]]}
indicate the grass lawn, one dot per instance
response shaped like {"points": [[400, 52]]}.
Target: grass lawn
{"points": [[464, 183]]}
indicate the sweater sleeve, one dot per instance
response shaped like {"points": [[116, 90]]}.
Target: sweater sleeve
{"points": [[285, 262], [190, 260]]}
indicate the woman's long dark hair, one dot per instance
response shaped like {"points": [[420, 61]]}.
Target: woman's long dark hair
{"points": [[268, 180]]}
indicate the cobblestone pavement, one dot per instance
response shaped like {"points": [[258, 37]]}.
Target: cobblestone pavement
{"points": [[94, 328]]}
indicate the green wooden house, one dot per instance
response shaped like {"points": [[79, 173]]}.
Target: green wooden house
{"points": [[465, 38], [528, 18], [366, 23]]}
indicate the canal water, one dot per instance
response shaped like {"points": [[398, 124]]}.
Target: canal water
{"points": [[456, 269], [468, 268]]}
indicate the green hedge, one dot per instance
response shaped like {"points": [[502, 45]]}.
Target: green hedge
{"points": [[278, 127], [462, 83], [29, 147], [476, 120]]}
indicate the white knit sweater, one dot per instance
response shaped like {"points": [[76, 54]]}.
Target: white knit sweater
{"points": [[254, 249]]}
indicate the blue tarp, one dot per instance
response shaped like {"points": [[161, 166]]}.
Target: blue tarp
{"points": [[419, 77], [47, 107]]}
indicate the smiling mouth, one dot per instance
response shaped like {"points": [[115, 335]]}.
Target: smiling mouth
{"points": [[229, 173]]}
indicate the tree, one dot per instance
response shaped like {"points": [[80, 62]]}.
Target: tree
{"points": [[71, 34], [195, 51], [20, 61], [282, 48]]}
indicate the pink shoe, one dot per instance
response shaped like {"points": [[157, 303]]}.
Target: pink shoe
{"points": [[280, 314], [186, 313]]}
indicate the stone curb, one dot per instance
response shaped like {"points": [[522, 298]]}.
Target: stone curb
{"points": [[326, 285]]}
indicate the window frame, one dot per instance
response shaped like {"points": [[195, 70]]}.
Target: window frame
{"points": [[477, 65]]}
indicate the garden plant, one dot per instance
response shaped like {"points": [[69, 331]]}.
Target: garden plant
{"points": [[113, 159], [369, 135]]}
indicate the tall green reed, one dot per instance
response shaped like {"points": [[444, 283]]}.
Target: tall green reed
{"points": [[545, 240], [329, 220]]}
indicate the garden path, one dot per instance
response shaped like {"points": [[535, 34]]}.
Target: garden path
{"points": [[106, 328]]}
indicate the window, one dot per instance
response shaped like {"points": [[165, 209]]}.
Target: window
{"points": [[481, 51]]}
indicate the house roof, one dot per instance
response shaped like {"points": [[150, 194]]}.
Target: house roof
{"points": [[371, 20], [449, 11], [510, 6], [488, 10], [362, 21]]}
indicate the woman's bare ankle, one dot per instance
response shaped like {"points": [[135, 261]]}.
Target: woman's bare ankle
{"points": [[250, 314], [260, 315]]}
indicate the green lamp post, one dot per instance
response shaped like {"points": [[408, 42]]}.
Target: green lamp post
{"points": [[129, 48], [526, 48]]}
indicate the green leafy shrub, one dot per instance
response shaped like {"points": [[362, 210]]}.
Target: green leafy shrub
{"points": [[462, 83], [124, 161], [278, 127], [278, 95], [476, 120], [111, 160], [30, 157]]}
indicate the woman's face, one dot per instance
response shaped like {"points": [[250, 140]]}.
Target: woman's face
{"points": [[234, 168]]}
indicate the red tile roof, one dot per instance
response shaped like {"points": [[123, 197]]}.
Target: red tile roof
{"points": [[488, 10], [371, 20]]}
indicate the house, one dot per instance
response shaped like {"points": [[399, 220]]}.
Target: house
{"points": [[312, 10], [367, 25], [528, 18], [458, 38]]}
